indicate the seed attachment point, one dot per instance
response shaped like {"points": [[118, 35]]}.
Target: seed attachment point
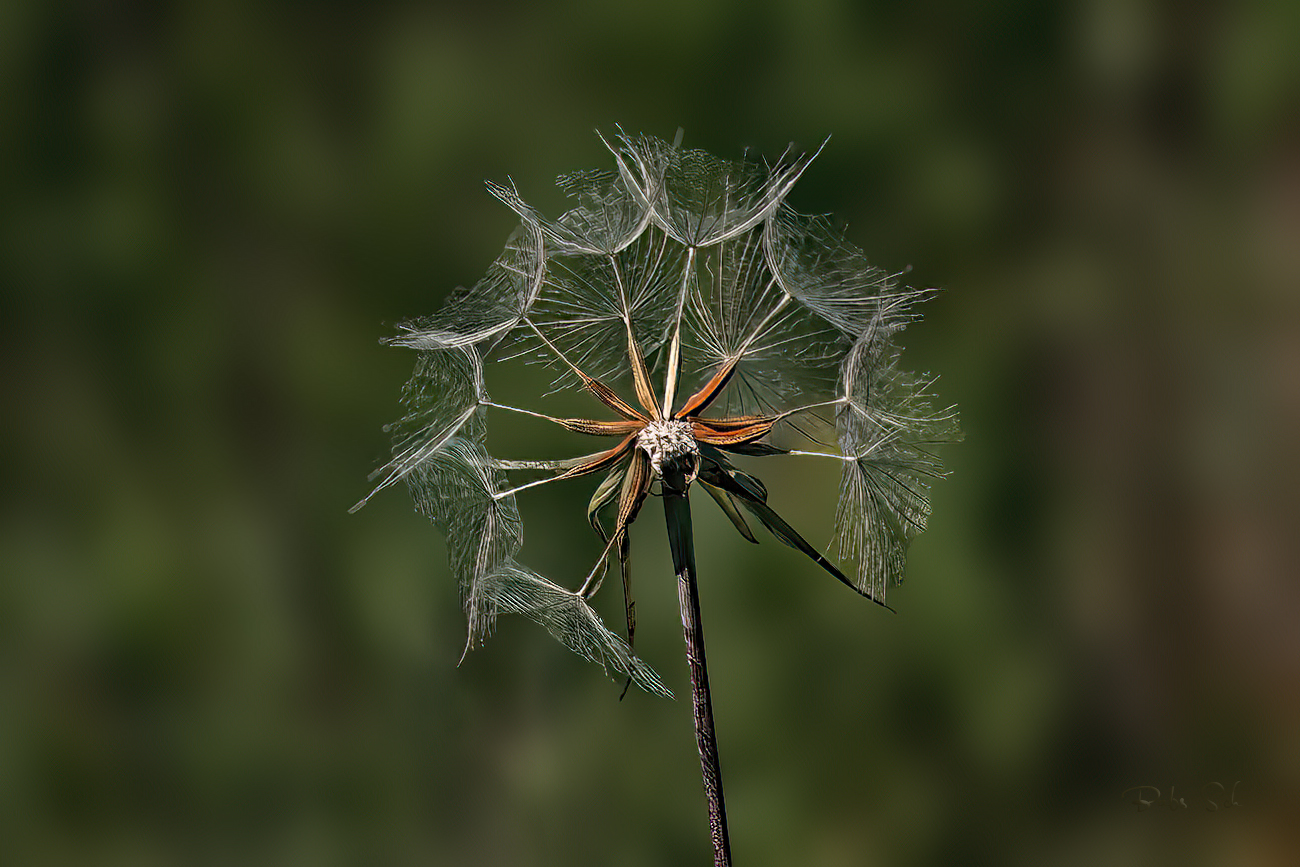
{"points": [[669, 441]]}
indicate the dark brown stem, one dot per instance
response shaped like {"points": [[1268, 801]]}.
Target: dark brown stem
{"points": [[677, 510]]}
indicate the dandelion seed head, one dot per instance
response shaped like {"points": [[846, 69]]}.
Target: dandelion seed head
{"points": [[675, 279]]}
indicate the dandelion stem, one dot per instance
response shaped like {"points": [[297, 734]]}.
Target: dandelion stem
{"points": [[677, 511]]}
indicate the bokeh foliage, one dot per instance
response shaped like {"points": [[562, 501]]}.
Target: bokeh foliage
{"points": [[208, 211]]}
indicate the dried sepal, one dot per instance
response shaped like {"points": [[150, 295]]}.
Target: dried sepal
{"points": [[727, 503], [605, 494]]}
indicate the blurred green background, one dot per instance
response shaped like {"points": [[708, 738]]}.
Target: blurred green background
{"points": [[212, 211]]}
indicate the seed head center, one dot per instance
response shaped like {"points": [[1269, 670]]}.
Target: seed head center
{"points": [[667, 440]]}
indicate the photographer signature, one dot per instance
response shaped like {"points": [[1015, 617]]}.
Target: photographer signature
{"points": [[1215, 796]]}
